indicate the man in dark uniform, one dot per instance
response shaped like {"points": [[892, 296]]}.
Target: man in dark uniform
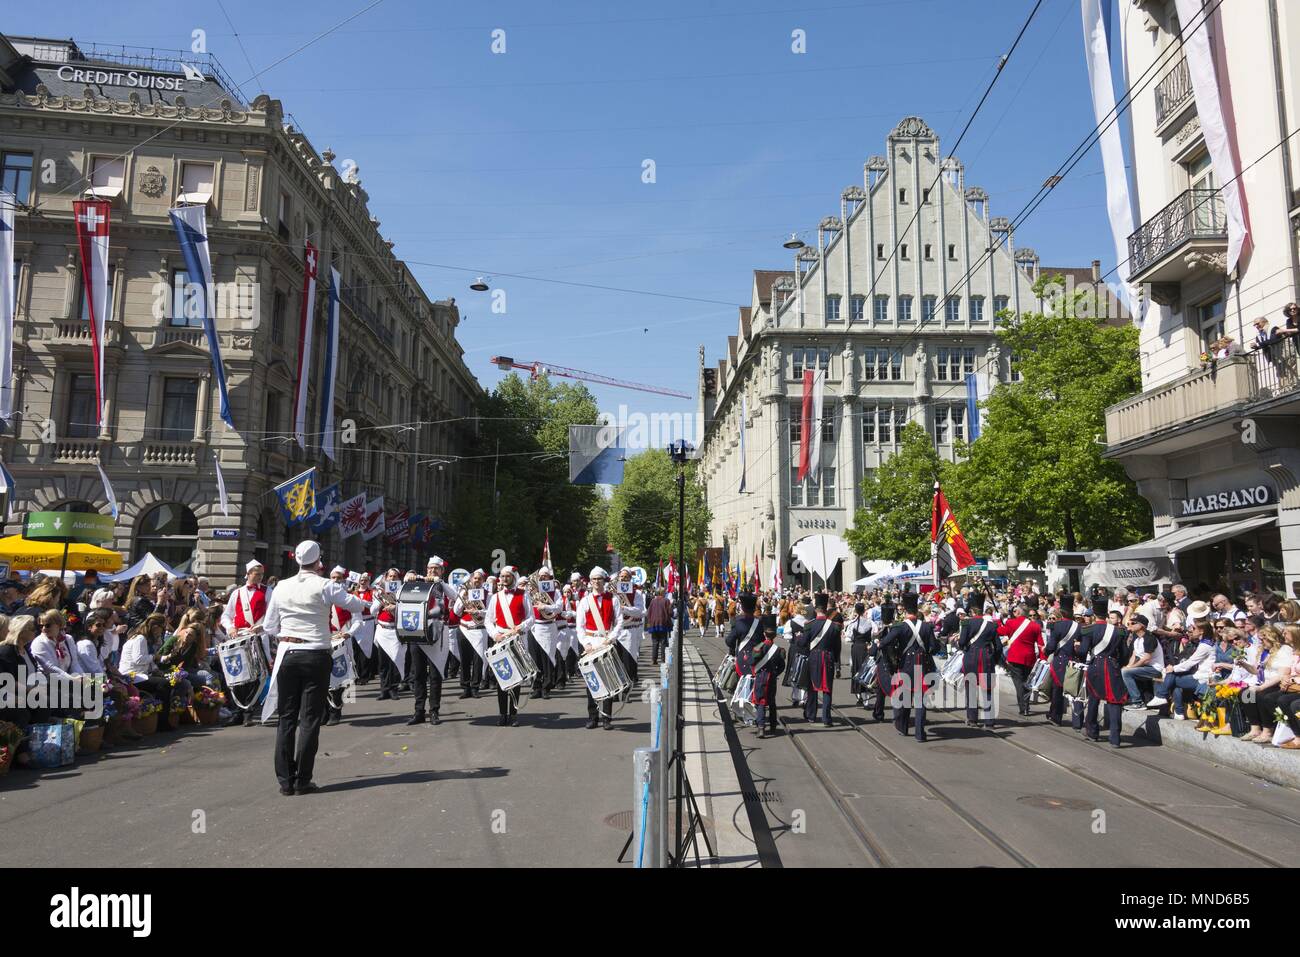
{"points": [[1105, 647], [981, 654], [821, 640], [1064, 645], [913, 644], [765, 661], [859, 650], [744, 628]]}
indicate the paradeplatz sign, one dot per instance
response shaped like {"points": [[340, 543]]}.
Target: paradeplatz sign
{"points": [[65, 527]]}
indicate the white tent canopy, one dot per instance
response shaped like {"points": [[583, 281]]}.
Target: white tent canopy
{"points": [[822, 553], [145, 566]]}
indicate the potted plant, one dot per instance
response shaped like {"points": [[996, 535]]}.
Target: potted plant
{"points": [[146, 720], [11, 736], [206, 708]]}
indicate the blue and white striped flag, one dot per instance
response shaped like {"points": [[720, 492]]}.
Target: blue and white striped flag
{"points": [[191, 224], [331, 367], [221, 484], [8, 305]]}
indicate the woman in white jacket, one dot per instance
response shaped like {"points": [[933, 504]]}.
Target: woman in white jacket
{"points": [[1275, 663]]}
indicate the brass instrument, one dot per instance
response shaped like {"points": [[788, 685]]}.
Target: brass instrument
{"points": [[477, 610], [543, 607]]}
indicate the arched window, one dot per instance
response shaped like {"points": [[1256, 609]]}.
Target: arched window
{"points": [[75, 507], [170, 531]]}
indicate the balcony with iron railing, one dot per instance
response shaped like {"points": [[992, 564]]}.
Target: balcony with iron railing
{"points": [[1238, 383], [1163, 249], [1173, 92], [367, 315]]}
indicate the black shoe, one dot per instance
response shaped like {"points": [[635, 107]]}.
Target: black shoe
{"points": [[234, 719], [546, 694], [385, 696], [501, 721], [466, 694], [436, 719], [513, 721], [417, 718], [922, 740], [308, 788], [592, 723], [396, 696], [606, 723], [473, 692], [334, 718], [828, 724], [287, 792]]}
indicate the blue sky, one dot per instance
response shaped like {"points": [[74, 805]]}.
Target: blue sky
{"points": [[530, 162]]}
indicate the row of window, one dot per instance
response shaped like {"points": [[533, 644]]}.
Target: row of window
{"points": [[903, 308], [882, 424], [886, 365]]}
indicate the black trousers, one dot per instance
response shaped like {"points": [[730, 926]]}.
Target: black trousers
{"points": [[979, 697], [388, 676], [1260, 711], [471, 665], [1019, 675], [545, 678], [507, 702], [301, 687], [426, 681], [453, 663], [334, 702], [595, 710], [658, 639], [1114, 717], [571, 660], [629, 663], [364, 666], [766, 713]]}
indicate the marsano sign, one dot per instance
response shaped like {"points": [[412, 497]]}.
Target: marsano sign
{"points": [[1229, 500]]}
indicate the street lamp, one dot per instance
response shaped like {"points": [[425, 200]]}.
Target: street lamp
{"points": [[794, 242], [479, 285]]}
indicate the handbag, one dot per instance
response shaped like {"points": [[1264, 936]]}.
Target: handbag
{"points": [[1073, 683], [52, 745]]}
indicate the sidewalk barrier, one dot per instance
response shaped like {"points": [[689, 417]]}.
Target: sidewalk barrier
{"points": [[652, 781], [645, 819]]}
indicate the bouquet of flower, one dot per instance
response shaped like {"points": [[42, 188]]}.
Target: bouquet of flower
{"points": [[133, 706], [176, 675], [11, 736], [206, 697], [151, 707]]}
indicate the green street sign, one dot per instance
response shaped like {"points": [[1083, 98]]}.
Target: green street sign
{"points": [[87, 528]]}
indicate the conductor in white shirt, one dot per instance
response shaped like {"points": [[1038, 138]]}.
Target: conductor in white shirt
{"points": [[299, 614]]}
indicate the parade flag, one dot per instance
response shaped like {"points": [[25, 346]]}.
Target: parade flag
{"points": [[699, 577], [670, 574], [810, 433], [305, 324], [546, 551], [108, 490], [328, 503], [298, 497], [744, 416], [221, 484], [8, 488], [659, 571], [374, 521], [331, 367], [397, 526], [92, 241], [352, 515], [774, 576], [191, 224], [596, 455], [758, 584], [8, 306], [949, 553]]}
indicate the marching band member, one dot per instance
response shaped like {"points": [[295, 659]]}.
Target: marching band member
{"points": [[1024, 647], [859, 630], [981, 654], [470, 610], [916, 644], [544, 636], [298, 613], [820, 640], [392, 652], [509, 613], [363, 637], [429, 664], [1104, 645], [340, 620], [700, 612], [629, 638], [599, 620], [1064, 645], [766, 661], [564, 640], [578, 588], [743, 629], [246, 609]]}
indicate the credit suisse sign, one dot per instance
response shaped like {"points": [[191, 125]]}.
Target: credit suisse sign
{"points": [[129, 78], [1227, 501]]}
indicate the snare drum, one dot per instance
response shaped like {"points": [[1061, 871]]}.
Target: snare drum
{"points": [[242, 660], [340, 661], [867, 676], [1040, 674], [511, 663], [726, 676], [742, 702], [604, 673], [798, 665]]}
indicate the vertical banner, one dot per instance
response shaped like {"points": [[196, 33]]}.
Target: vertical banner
{"points": [[374, 521], [1209, 107], [810, 433], [8, 306], [108, 490], [744, 417], [92, 243], [331, 367], [352, 515], [1097, 33], [305, 326], [221, 484], [978, 385], [191, 224]]}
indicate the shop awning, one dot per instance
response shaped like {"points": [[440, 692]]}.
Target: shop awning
{"points": [[1152, 562], [25, 555]]}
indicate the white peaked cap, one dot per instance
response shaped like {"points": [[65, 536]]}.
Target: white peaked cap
{"points": [[253, 563], [478, 571], [575, 577], [510, 570], [598, 572], [307, 553], [338, 568], [435, 560]]}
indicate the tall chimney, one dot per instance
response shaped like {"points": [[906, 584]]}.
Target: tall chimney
{"points": [[1096, 270]]}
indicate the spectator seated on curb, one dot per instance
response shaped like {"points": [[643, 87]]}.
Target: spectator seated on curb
{"points": [[1192, 673], [1147, 662], [1288, 702], [1275, 664]]}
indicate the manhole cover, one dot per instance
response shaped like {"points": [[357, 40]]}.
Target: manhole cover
{"points": [[619, 820], [954, 749], [399, 734], [1049, 803], [763, 797]]}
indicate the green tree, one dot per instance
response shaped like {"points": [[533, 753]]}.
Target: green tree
{"points": [[517, 484], [643, 511], [894, 521], [1035, 478]]}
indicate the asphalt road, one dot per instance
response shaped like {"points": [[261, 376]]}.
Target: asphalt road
{"points": [[464, 793], [1026, 795]]}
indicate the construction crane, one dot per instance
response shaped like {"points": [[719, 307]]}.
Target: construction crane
{"points": [[506, 363]]}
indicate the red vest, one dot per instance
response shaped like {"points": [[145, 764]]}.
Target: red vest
{"points": [[516, 597], [605, 604], [256, 604], [386, 612], [339, 618]]}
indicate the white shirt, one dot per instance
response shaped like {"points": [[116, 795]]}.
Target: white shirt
{"points": [[590, 639], [136, 659], [490, 621], [300, 608], [45, 651]]}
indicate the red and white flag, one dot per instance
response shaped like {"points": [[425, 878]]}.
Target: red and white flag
{"points": [[670, 576], [546, 551], [374, 519], [810, 432], [91, 216], [305, 323], [352, 515], [949, 552]]}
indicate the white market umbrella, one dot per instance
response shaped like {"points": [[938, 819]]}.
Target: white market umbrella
{"points": [[822, 553], [148, 565]]}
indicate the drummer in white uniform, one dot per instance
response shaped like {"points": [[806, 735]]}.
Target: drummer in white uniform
{"points": [[543, 642], [245, 610], [599, 623], [429, 663], [470, 610], [509, 613], [629, 639]]}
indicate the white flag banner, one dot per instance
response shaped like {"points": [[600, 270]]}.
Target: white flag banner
{"points": [[744, 415], [1097, 34], [8, 305], [306, 324], [331, 367], [818, 401], [108, 489], [375, 523], [1209, 107], [221, 484], [352, 515]]}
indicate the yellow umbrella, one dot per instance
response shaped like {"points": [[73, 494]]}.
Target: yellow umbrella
{"points": [[29, 556]]}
